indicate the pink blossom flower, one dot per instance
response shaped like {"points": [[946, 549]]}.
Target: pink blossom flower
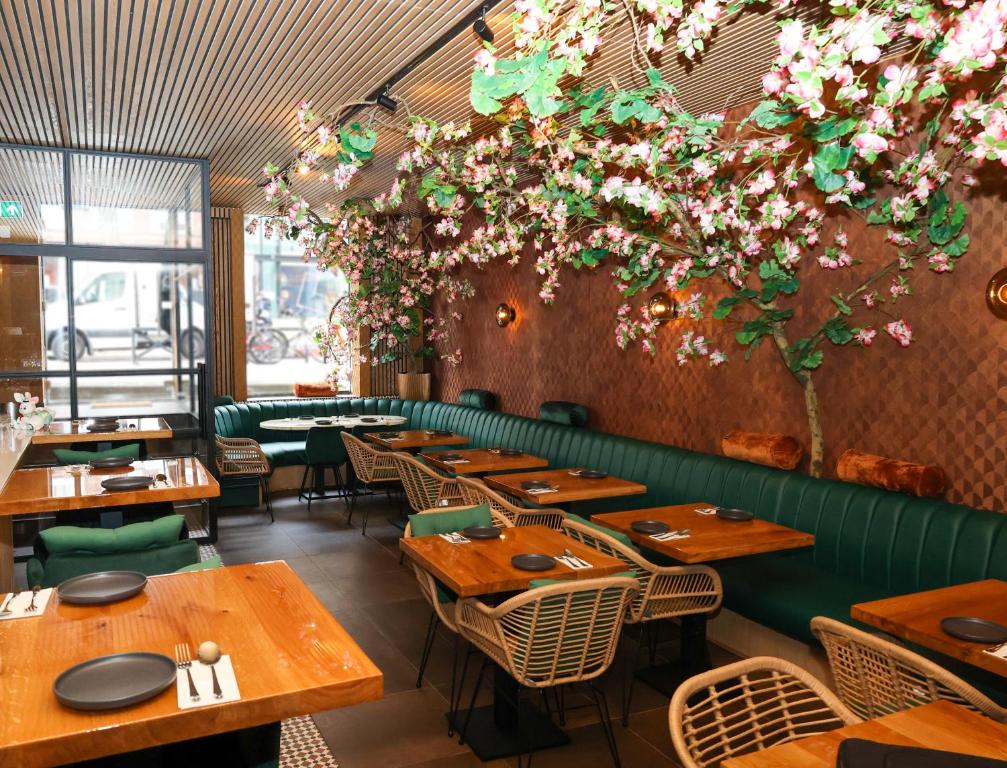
{"points": [[901, 331]]}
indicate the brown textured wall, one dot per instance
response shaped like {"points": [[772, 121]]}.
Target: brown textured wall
{"points": [[940, 401]]}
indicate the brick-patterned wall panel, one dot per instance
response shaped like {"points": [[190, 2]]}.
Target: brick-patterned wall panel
{"points": [[942, 401]]}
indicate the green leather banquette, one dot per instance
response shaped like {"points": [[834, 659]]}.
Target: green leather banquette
{"points": [[870, 543]]}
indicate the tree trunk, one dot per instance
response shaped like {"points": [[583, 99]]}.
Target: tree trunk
{"points": [[817, 447]]}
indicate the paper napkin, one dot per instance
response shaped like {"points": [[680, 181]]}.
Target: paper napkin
{"points": [[573, 562], [203, 678], [1000, 651], [537, 491], [706, 511], [669, 536], [22, 601]]}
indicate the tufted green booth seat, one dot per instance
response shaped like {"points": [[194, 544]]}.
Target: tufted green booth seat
{"points": [[870, 543]]}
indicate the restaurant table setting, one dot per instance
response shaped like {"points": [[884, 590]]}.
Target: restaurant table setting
{"points": [[452, 458], [538, 487], [24, 603]]}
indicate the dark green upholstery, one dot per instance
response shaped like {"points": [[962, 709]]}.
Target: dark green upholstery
{"points": [[869, 542], [70, 456], [478, 398], [562, 412], [325, 446], [154, 547], [433, 523]]}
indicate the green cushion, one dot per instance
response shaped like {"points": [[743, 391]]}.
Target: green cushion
{"points": [[69, 456], [288, 453], [536, 583], [432, 523], [562, 412], [161, 532], [477, 398], [203, 565], [622, 538], [58, 568]]}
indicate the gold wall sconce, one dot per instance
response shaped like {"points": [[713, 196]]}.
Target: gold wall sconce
{"points": [[505, 315], [996, 294], [662, 308]]}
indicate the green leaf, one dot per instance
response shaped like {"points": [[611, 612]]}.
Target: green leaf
{"points": [[724, 307], [837, 331], [830, 128], [944, 226], [842, 306], [813, 360], [828, 158], [770, 114]]}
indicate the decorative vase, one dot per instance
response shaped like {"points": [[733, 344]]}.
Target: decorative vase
{"points": [[414, 386]]}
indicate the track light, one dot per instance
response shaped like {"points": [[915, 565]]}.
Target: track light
{"points": [[481, 28], [387, 102]]}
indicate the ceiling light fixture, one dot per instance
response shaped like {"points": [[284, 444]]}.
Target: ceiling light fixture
{"points": [[386, 102], [481, 28]]}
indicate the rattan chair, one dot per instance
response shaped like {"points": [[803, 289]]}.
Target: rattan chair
{"points": [[425, 488], [371, 467], [551, 636], [475, 491], [441, 612], [749, 706], [666, 592], [243, 457], [875, 677]]}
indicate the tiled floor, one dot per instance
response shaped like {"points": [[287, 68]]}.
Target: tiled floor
{"points": [[360, 580]]}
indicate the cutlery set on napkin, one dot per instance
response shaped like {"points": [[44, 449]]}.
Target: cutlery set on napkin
{"points": [[454, 538], [453, 458], [536, 487], [706, 511], [672, 535], [19, 605], [1000, 651], [202, 678], [570, 560]]}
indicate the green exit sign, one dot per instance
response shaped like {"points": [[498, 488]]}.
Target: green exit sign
{"points": [[11, 209]]}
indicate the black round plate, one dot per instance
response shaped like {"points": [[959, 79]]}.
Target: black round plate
{"points": [[592, 474], [440, 432], [323, 422], [734, 515], [481, 532], [114, 681], [448, 457], [369, 420], [111, 462], [389, 435], [534, 485], [650, 527], [351, 415], [511, 452], [127, 483], [974, 630], [101, 587], [110, 426], [532, 562]]}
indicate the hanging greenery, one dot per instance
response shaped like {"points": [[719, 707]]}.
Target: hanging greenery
{"points": [[876, 113]]}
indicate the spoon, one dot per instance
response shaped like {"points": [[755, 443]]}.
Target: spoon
{"points": [[7, 609], [161, 479]]}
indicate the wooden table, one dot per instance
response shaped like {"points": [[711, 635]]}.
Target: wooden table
{"points": [[711, 537], [484, 568], [304, 423], [54, 489], [416, 439], [916, 617], [65, 432], [290, 657], [481, 460], [941, 725], [570, 488]]}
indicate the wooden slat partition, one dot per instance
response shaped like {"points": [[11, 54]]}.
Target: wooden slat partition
{"points": [[228, 249]]}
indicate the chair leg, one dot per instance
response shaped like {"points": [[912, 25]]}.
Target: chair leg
{"points": [[456, 691], [629, 675], [264, 482], [304, 480], [606, 723], [428, 645], [472, 703]]}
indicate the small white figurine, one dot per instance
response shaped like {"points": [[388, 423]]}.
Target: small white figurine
{"points": [[31, 419]]}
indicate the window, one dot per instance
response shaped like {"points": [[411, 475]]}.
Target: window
{"points": [[286, 299]]}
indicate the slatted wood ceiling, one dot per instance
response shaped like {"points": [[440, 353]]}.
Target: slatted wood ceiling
{"points": [[222, 79]]}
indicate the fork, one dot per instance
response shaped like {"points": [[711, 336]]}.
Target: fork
{"points": [[183, 661], [570, 556], [34, 593], [7, 609]]}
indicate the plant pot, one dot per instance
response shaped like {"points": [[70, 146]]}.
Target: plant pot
{"points": [[414, 386]]}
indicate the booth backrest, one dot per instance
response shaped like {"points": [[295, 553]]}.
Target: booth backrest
{"points": [[889, 540]]}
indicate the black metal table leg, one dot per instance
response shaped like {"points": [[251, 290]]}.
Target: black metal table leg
{"points": [[694, 658], [510, 725]]}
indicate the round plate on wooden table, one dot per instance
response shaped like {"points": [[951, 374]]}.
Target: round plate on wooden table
{"points": [[111, 682], [111, 462], [112, 426], [127, 483], [974, 630], [101, 587], [592, 474], [481, 532], [734, 515], [650, 527], [510, 452], [532, 562]]}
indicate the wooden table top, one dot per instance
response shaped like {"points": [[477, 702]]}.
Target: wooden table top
{"points": [[54, 489], [485, 460], [416, 438], [916, 617], [711, 537], [484, 568], [290, 657], [570, 487], [62, 432], [941, 725]]}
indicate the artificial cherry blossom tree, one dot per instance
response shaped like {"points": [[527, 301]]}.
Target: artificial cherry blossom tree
{"points": [[875, 113]]}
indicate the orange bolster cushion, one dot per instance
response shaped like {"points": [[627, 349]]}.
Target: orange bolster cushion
{"points": [[773, 450], [891, 474], [313, 389]]}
